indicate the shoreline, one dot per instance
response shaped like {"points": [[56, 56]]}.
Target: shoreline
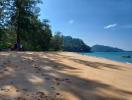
{"points": [[106, 58]]}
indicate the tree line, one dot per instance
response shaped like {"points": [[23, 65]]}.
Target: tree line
{"points": [[21, 28]]}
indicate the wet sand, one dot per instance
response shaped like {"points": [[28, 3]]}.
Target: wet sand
{"points": [[62, 76]]}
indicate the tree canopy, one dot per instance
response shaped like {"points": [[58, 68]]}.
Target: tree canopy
{"points": [[24, 25], [21, 29]]}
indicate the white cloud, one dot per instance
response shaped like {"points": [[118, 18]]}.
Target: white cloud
{"points": [[110, 26], [71, 21]]}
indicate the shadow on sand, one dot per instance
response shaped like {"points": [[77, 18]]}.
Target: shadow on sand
{"points": [[36, 77]]}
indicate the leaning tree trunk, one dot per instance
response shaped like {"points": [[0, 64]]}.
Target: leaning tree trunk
{"points": [[18, 31]]}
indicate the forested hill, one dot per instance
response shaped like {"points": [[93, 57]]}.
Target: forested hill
{"points": [[102, 48], [75, 45]]}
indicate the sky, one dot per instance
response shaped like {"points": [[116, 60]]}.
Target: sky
{"points": [[105, 22]]}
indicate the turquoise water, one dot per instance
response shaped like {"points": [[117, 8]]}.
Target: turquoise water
{"points": [[115, 56]]}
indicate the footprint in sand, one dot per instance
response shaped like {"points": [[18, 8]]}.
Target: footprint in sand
{"points": [[57, 94], [4, 90], [20, 98], [25, 90], [5, 70], [47, 78], [58, 83], [53, 88], [41, 95], [17, 90], [67, 80]]}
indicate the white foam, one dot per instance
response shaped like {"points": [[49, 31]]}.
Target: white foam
{"points": [[128, 63]]}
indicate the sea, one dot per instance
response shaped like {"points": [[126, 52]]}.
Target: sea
{"points": [[125, 57]]}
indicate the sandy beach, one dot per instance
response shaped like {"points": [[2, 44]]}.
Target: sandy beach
{"points": [[62, 76]]}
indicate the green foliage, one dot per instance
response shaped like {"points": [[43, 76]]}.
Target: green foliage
{"points": [[26, 28], [19, 24], [3, 22], [24, 17], [38, 38], [57, 42], [7, 38]]}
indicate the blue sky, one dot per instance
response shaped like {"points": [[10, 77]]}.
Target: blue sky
{"points": [[106, 22]]}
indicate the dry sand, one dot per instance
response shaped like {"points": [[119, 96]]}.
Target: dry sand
{"points": [[62, 76]]}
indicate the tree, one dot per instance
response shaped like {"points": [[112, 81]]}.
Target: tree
{"points": [[45, 35], [25, 13], [19, 21], [57, 41], [39, 38], [4, 21], [2, 15]]}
